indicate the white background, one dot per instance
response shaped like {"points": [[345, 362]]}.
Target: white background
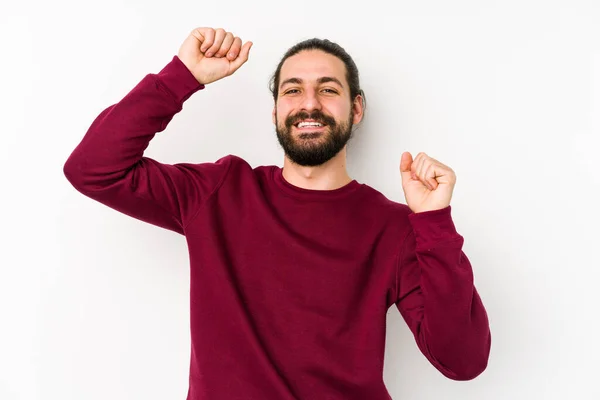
{"points": [[93, 304]]}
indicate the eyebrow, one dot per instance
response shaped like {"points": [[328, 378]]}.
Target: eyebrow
{"points": [[323, 79]]}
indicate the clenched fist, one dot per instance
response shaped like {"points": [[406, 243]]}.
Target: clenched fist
{"points": [[428, 184], [211, 54]]}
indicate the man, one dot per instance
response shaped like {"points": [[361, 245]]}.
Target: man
{"points": [[292, 269]]}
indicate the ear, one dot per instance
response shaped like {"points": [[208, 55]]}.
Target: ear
{"points": [[274, 113], [358, 107]]}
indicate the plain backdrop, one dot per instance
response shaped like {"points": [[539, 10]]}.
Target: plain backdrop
{"points": [[94, 304]]}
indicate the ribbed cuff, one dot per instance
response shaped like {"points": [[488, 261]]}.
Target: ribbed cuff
{"points": [[176, 77], [433, 226]]}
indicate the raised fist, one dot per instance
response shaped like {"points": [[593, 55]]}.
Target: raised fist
{"points": [[211, 54]]}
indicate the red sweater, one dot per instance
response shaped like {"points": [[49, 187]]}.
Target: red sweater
{"points": [[290, 287]]}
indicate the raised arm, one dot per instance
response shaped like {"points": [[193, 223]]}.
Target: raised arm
{"points": [[109, 165], [435, 287]]}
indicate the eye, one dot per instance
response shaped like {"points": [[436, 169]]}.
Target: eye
{"points": [[329, 90]]}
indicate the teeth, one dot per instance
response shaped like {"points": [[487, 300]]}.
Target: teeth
{"points": [[303, 124]]}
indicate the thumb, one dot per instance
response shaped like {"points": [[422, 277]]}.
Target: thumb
{"points": [[405, 164], [242, 57]]}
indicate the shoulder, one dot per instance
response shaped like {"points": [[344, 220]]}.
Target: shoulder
{"points": [[392, 216], [224, 164], [391, 208], [234, 169], [239, 166]]}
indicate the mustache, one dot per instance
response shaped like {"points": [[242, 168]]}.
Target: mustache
{"points": [[316, 115]]}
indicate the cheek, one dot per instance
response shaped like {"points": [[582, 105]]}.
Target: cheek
{"points": [[337, 109], [282, 112], [284, 107]]}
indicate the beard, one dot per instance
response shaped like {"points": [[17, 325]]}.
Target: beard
{"points": [[311, 149]]}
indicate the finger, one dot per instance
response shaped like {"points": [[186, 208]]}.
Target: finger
{"points": [[405, 166], [421, 159], [429, 176], [209, 37], [405, 162], [217, 42], [197, 35], [235, 48], [227, 42], [413, 166], [421, 170], [242, 57]]}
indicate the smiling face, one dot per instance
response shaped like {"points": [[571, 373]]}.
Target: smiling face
{"points": [[314, 114]]}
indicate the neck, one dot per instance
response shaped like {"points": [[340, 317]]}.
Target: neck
{"points": [[329, 176]]}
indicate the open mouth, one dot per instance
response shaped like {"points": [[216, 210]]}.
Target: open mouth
{"points": [[309, 125]]}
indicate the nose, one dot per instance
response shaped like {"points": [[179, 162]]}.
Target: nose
{"points": [[310, 100]]}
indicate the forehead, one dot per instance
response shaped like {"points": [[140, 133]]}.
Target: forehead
{"points": [[310, 65]]}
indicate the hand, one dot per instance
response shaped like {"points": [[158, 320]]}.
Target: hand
{"points": [[212, 54], [427, 183]]}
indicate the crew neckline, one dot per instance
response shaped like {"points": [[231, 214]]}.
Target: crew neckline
{"points": [[311, 194]]}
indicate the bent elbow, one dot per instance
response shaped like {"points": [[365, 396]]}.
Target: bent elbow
{"points": [[73, 173], [470, 367], [468, 373]]}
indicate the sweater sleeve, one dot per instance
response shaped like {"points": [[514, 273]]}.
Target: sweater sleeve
{"points": [[437, 297], [108, 164]]}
